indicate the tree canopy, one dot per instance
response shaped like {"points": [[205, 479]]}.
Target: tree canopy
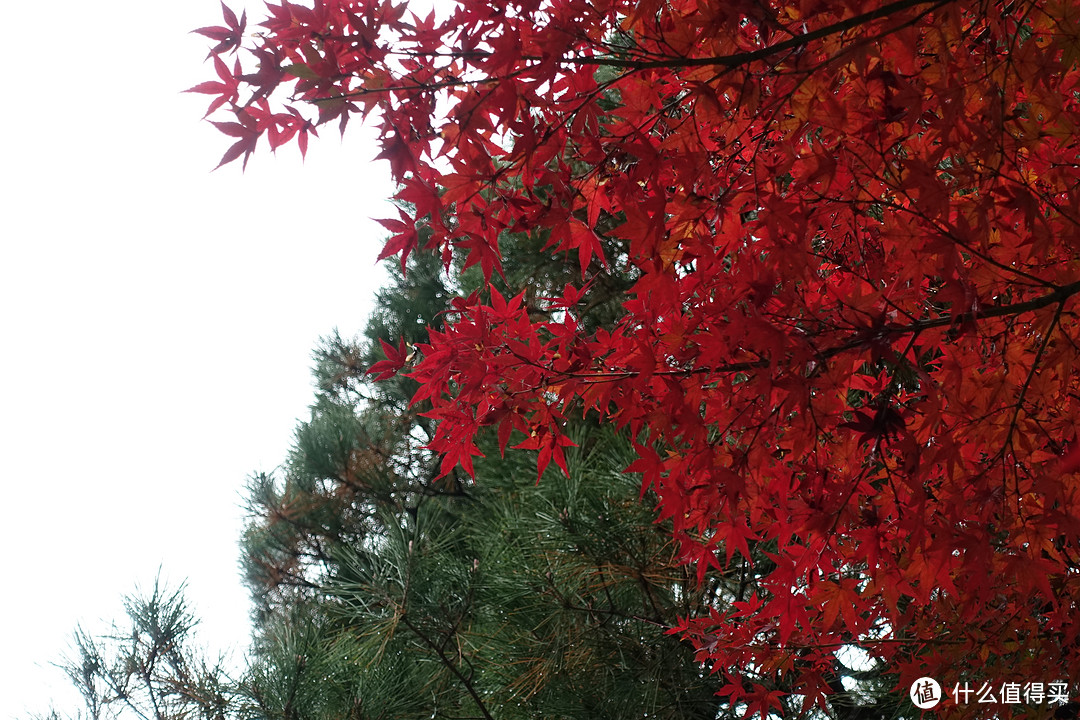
{"points": [[845, 359]]}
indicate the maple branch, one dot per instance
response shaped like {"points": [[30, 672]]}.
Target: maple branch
{"points": [[745, 58], [944, 230], [1059, 296], [861, 643], [1027, 384], [456, 82], [730, 61]]}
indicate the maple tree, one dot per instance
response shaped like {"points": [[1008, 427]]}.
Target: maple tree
{"points": [[850, 346]]}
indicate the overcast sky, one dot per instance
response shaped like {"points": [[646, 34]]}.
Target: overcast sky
{"points": [[157, 321]]}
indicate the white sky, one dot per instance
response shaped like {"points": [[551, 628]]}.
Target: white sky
{"points": [[156, 323]]}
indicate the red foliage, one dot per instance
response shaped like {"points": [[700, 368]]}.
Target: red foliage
{"points": [[852, 340]]}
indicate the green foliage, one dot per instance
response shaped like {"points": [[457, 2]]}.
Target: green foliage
{"points": [[544, 600], [149, 667]]}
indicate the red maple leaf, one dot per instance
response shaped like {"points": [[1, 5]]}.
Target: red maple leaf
{"points": [[229, 37], [396, 358], [228, 90]]}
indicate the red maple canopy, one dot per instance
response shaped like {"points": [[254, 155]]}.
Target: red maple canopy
{"points": [[851, 341]]}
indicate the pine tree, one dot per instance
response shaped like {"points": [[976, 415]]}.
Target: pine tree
{"points": [[387, 591], [148, 666]]}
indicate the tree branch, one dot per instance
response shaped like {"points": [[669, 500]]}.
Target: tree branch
{"points": [[725, 61], [466, 683], [1058, 296], [744, 58]]}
